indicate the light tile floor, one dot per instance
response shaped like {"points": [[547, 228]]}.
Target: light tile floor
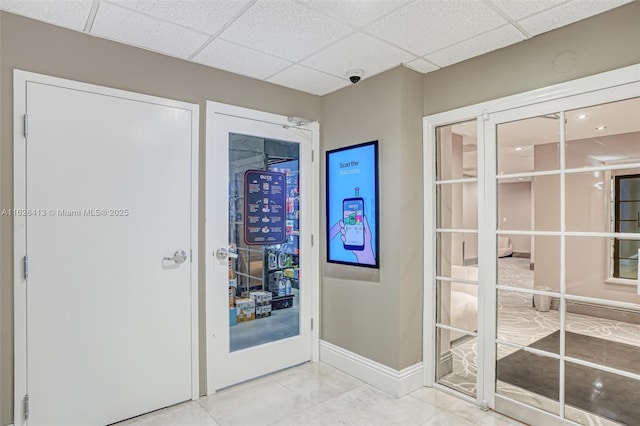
{"points": [[317, 394]]}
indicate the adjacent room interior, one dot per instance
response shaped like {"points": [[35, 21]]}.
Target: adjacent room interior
{"points": [[263, 279]]}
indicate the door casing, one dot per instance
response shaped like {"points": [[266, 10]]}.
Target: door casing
{"points": [[20, 79]]}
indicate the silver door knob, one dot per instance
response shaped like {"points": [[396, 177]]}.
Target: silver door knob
{"points": [[178, 257], [224, 253]]}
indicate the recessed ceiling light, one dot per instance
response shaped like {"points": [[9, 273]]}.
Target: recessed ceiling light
{"points": [[601, 127], [518, 148], [581, 116]]}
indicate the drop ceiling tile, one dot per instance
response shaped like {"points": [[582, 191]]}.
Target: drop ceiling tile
{"points": [[69, 14], [240, 60], [141, 30], [284, 29], [203, 15], [426, 26], [355, 12], [521, 9], [308, 80], [421, 66], [567, 13], [476, 46], [358, 51]]}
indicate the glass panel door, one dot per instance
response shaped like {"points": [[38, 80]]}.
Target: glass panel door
{"points": [[528, 240], [259, 235], [567, 229], [456, 271]]}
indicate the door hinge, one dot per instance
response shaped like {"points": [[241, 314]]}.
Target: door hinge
{"points": [[311, 324], [26, 126], [26, 407], [311, 240], [25, 262], [313, 155], [191, 255]]}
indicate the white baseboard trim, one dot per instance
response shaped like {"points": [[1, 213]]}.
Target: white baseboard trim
{"points": [[394, 382]]}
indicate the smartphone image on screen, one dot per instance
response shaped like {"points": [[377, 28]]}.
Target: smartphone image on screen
{"points": [[353, 219]]}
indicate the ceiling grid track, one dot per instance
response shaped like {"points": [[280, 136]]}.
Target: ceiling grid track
{"points": [[310, 45]]}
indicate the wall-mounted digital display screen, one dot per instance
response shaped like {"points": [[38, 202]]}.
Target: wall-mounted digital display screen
{"points": [[352, 205]]}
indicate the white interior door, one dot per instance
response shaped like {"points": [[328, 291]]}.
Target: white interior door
{"points": [[259, 198], [109, 296]]}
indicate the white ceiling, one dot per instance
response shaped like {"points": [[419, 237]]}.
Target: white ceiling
{"points": [[309, 45]]}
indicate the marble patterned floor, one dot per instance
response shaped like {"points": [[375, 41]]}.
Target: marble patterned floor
{"points": [[519, 322], [317, 394]]}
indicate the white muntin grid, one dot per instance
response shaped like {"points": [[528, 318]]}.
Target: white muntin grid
{"points": [[601, 89]]}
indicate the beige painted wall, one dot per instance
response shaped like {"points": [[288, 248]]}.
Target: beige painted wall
{"points": [[514, 212], [601, 43], [378, 313], [411, 250], [34, 46]]}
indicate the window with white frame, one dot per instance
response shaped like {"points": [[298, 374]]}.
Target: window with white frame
{"points": [[625, 219]]}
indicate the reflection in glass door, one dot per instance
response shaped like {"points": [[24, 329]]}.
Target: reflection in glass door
{"points": [[568, 233]]}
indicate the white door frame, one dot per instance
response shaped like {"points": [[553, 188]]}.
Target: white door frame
{"points": [[314, 274], [20, 79], [486, 213]]}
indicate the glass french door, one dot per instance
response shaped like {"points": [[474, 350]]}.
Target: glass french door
{"points": [[456, 261], [536, 244], [564, 175], [259, 286]]}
